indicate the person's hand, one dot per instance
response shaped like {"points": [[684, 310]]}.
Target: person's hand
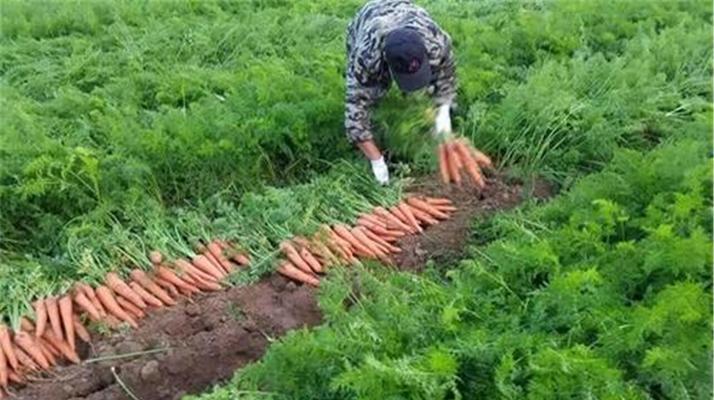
{"points": [[380, 170], [442, 129]]}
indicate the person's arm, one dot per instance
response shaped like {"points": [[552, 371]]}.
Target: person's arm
{"points": [[445, 88]]}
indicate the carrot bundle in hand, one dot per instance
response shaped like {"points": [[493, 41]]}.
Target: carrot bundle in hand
{"points": [[457, 155]]}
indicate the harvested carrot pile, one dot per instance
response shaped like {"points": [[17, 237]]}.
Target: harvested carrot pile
{"points": [[306, 259], [59, 322], [458, 156]]}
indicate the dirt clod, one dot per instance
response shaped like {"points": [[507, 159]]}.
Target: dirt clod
{"points": [[150, 371]]}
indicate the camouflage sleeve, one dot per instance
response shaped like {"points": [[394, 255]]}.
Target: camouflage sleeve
{"points": [[445, 84], [358, 103]]}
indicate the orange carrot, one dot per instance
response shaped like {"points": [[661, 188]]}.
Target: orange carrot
{"points": [[402, 218], [7, 347], [45, 348], [164, 284], [48, 346], [471, 166], [381, 241], [146, 296], [155, 257], [82, 332], [311, 260], [204, 264], [392, 221], [358, 234], [445, 209], [26, 342], [107, 298], [374, 219], [479, 157], [130, 308], [410, 216], [215, 249], [422, 216], [142, 279], [62, 346], [344, 233], [26, 362], [65, 307], [426, 207], [208, 285], [294, 273], [4, 370], [85, 304], [443, 163], [192, 271], [118, 286], [292, 254], [170, 277], [92, 296], [454, 164], [40, 317], [216, 263], [54, 315], [15, 377], [443, 201]]}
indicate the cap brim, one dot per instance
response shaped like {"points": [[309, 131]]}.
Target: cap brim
{"points": [[415, 81]]}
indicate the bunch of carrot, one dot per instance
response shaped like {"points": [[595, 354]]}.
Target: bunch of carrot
{"points": [[456, 155], [42, 343], [372, 237]]}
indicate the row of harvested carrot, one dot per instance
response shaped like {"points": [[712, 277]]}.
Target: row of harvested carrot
{"points": [[42, 343], [372, 238], [51, 337]]}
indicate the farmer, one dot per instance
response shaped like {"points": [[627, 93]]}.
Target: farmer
{"points": [[395, 40]]}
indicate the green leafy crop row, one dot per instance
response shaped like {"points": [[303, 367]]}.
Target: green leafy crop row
{"points": [[603, 293]]}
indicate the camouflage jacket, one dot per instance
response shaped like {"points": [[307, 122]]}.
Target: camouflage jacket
{"points": [[368, 77]]}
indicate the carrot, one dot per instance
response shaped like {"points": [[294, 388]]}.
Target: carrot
{"points": [[4, 370], [118, 286], [346, 235], [146, 296], [15, 377], [54, 316], [82, 332], [216, 263], [289, 270], [92, 296], [426, 207], [65, 307], [45, 348], [27, 343], [454, 164], [107, 298], [381, 241], [49, 348], [292, 254], [40, 317], [204, 264], [310, 260], [192, 271], [62, 346], [445, 209], [471, 166], [130, 308], [443, 201], [142, 279], [85, 304], [479, 157], [392, 221], [7, 347], [208, 285], [26, 362], [374, 219], [422, 216], [358, 234], [169, 276], [155, 257], [403, 218], [410, 216], [443, 163], [164, 284], [215, 249]]}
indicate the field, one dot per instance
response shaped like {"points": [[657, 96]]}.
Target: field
{"points": [[583, 270]]}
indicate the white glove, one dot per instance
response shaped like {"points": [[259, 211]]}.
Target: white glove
{"points": [[379, 168], [443, 121]]}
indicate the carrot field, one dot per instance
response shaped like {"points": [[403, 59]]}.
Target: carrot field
{"points": [[182, 216]]}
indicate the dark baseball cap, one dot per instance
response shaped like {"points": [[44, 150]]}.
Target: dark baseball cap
{"points": [[406, 56]]}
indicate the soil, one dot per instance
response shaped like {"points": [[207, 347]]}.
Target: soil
{"points": [[190, 347]]}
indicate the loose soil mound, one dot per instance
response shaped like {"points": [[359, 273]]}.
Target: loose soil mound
{"points": [[189, 347]]}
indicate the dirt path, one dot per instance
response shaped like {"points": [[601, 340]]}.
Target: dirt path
{"points": [[195, 345]]}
